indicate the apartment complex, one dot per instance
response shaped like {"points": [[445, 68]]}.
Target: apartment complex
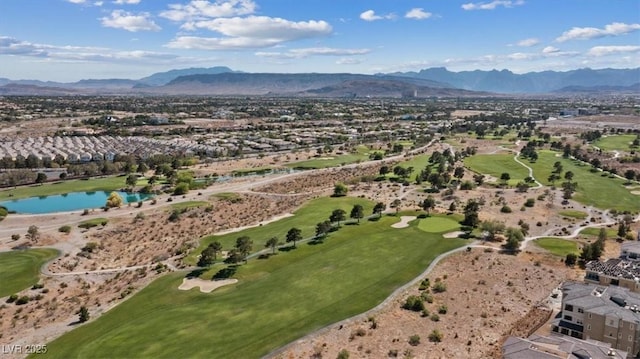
{"points": [[607, 314], [623, 272], [558, 347]]}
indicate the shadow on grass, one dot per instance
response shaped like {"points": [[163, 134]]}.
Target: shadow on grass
{"points": [[196, 273], [374, 219], [225, 273], [266, 255], [286, 249], [315, 242]]}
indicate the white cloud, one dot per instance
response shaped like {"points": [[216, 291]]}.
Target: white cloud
{"points": [[550, 50], [98, 3], [612, 50], [370, 15], [585, 33], [418, 14], [121, 19], [522, 56], [77, 1], [313, 51], [528, 42], [126, 2], [348, 61], [492, 5], [252, 31], [201, 10], [12, 46]]}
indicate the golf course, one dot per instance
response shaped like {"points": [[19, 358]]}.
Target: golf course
{"points": [[20, 269], [276, 300]]}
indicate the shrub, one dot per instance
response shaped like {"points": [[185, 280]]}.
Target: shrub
{"points": [[413, 303], [344, 354], [22, 300], [442, 309], [424, 284], [505, 209], [414, 340], [426, 297], [530, 202], [435, 317], [65, 229], [12, 298], [439, 287], [435, 336]]}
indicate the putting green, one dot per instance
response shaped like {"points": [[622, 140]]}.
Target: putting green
{"points": [[21, 269], [276, 300], [437, 224], [557, 246]]}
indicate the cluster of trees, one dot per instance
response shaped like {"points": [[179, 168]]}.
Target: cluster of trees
{"points": [[513, 235]]}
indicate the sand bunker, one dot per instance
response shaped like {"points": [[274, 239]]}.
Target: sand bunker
{"points": [[206, 286], [404, 222], [636, 193], [452, 234]]}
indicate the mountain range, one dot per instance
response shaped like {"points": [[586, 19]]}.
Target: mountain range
{"points": [[439, 81]]}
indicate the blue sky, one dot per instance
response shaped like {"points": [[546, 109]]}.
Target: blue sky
{"points": [[69, 40]]}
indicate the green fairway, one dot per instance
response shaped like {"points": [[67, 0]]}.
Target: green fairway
{"points": [[438, 224], [90, 223], [334, 160], [305, 219], [49, 189], [573, 214], [188, 205], [497, 164], [615, 143], [276, 300], [593, 188], [558, 247], [594, 232], [418, 163], [20, 269]]}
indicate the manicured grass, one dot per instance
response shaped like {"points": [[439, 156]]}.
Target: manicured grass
{"points": [[188, 204], [227, 196], [438, 224], [305, 219], [48, 189], [93, 223], [497, 164], [333, 160], [593, 188], [276, 300], [418, 163], [246, 171], [21, 269], [558, 247], [594, 232], [615, 143], [573, 214]]}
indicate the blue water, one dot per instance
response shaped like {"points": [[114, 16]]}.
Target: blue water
{"points": [[67, 202]]}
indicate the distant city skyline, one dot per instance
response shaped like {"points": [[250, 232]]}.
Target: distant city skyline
{"points": [[70, 40]]}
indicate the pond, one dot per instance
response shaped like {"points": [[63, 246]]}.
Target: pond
{"points": [[68, 202]]}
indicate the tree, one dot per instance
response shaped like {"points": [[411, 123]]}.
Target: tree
{"points": [[428, 204], [244, 245], [458, 172], [492, 227], [131, 180], [272, 243], [379, 208], [396, 204], [340, 190], [471, 213], [83, 314], [322, 228], [505, 177], [33, 233], [571, 259], [622, 229], [114, 200], [41, 177], [384, 170], [629, 175], [478, 179], [337, 216], [182, 188], [357, 212], [209, 254], [294, 235], [568, 176]]}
